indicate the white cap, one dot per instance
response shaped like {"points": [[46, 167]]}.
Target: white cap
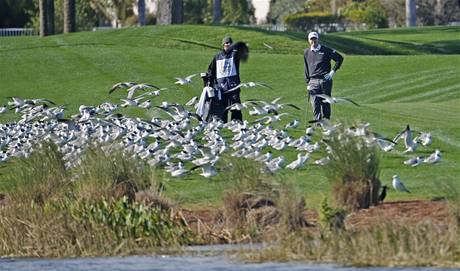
{"points": [[313, 35]]}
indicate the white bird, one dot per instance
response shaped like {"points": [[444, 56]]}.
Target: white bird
{"points": [[334, 100], [207, 170], [425, 139], [293, 124], [398, 184], [249, 85], [184, 81], [299, 162], [268, 46], [192, 101], [414, 161], [323, 161], [145, 104], [138, 87], [433, 158], [309, 131], [121, 85], [264, 157], [270, 119]]}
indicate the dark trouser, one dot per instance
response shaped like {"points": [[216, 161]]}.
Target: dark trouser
{"points": [[217, 107], [229, 99], [320, 108]]}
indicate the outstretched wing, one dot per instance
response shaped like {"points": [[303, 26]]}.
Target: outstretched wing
{"points": [[242, 49], [348, 100]]}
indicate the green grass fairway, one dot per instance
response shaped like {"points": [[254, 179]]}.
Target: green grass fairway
{"points": [[401, 76]]}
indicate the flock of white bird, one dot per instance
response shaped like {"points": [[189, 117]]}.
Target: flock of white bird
{"points": [[182, 142]]}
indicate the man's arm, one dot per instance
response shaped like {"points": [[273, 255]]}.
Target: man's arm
{"points": [[338, 58], [212, 70], [306, 72]]}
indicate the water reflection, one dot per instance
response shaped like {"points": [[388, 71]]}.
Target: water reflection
{"points": [[176, 263]]}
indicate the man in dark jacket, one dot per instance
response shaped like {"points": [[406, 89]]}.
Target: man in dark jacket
{"points": [[318, 74], [224, 71]]}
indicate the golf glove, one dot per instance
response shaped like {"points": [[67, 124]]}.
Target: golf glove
{"points": [[329, 75], [308, 87]]}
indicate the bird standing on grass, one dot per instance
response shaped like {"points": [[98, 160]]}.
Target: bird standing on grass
{"points": [[433, 158], [398, 184]]}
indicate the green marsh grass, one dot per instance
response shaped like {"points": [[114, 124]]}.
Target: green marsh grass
{"points": [[37, 178], [353, 170], [89, 210], [112, 174]]}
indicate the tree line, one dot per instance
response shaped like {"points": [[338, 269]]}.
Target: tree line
{"points": [[57, 16], [64, 16]]}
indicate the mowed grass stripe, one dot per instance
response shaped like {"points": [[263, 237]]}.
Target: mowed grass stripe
{"points": [[435, 93], [405, 88]]}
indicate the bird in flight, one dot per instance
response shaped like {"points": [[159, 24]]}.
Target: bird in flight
{"points": [[334, 100], [249, 85], [184, 81], [132, 87], [268, 46], [121, 85]]}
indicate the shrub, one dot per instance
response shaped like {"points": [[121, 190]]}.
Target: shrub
{"points": [[372, 13], [255, 200], [111, 174], [126, 219], [331, 218], [306, 22], [353, 171]]}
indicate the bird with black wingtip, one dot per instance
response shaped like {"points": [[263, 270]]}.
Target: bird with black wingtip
{"points": [[223, 75], [318, 74]]}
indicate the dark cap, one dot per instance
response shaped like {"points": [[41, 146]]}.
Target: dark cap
{"points": [[227, 39]]}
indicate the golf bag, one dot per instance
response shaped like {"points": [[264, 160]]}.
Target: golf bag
{"points": [[214, 106]]}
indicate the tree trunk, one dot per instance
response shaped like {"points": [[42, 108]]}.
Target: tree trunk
{"points": [[164, 14], [177, 12], [43, 18], [50, 16], [334, 7], [216, 11], [141, 12], [69, 16], [170, 12], [411, 19]]}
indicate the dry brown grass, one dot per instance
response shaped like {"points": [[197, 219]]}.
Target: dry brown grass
{"points": [[423, 245]]}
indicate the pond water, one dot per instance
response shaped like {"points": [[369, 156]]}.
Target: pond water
{"points": [[217, 261]]}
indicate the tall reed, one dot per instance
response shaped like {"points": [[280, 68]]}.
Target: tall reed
{"points": [[353, 170]]}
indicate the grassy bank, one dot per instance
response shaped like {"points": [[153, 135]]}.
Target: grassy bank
{"points": [[113, 205], [393, 90]]}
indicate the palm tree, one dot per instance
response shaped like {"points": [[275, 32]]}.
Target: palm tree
{"points": [[177, 12], [216, 11], [50, 16], [170, 12], [69, 16], [43, 19], [411, 19], [141, 12], [46, 9]]}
